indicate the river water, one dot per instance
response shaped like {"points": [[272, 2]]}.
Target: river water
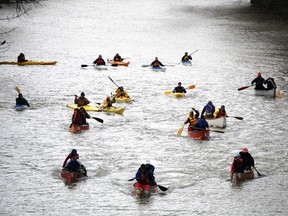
{"points": [[234, 42]]}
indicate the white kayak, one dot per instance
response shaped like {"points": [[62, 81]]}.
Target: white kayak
{"points": [[268, 93], [217, 122], [162, 69], [187, 63], [100, 67]]}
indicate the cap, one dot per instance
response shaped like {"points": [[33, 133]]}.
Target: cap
{"points": [[244, 150], [147, 162]]}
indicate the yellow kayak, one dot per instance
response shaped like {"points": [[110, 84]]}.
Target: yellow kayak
{"points": [[119, 63], [124, 100], [179, 94], [30, 63], [98, 108]]}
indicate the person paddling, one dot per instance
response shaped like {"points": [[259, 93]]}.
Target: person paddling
{"points": [[237, 165], [201, 123], [79, 117], [107, 103], [248, 160], [179, 88], [73, 164], [117, 57], [186, 57], [259, 81], [221, 112], [156, 63], [21, 58], [192, 118], [270, 84], [120, 92], [99, 61], [20, 101], [145, 176], [81, 101], [208, 110]]}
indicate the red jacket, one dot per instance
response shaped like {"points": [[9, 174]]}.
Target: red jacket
{"points": [[69, 157]]}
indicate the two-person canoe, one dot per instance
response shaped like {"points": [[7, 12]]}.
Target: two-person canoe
{"points": [[199, 134], [98, 108], [237, 177], [217, 122], [267, 93], [30, 62], [119, 63], [124, 99]]}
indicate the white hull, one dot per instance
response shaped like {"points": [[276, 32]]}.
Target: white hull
{"points": [[268, 93], [218, 122], [101, 67], [162, 69]]}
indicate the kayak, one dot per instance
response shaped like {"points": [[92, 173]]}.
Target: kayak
{"points": [[237, 177], [199, 134], [162, 69], [30, 62], [178, 94], [71, 176], [119, 63], [79, 128], [20, 107], [124, 100], [98, 108], [101, 67], [144, 190], [187, 63], [217, 122], [268, 93]]}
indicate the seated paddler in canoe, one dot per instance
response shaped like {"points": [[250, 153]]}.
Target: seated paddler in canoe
{"points": [[145, 178], [79, 120], [72, 164], [192, 118], [241, 167], [208, 110]]}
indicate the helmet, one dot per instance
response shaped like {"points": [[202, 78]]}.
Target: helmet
{"points": [[186, 53], [147, 162], [245, 150], [238, 155]]}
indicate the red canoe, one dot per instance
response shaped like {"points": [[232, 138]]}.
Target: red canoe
{"points": [[71, 176], [77, 128], [199, 134]]}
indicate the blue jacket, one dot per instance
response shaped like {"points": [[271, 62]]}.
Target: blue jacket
{"points": [[145, 174]]}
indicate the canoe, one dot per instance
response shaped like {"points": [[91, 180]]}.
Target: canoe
{"points": [[124, 100], [98, 108], [237, 177], [161, 69], [20, 107], [178, 94], [79, 128], [70, 176], [100, 67], [268, 93], [217, 122], [30, 62], [144, 190], [199, 134], [119, 63], [187, 63]]}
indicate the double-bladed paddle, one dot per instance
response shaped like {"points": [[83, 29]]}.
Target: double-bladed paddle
{"points": [[87, 65], [113, 81]]}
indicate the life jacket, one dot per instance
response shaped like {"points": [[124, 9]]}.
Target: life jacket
{"points": [[220, 113], [238, 164], [186, 58], [192, 119], [78, 117]]}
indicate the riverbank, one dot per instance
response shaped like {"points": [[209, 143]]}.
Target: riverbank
{"points": [[275, 6]]}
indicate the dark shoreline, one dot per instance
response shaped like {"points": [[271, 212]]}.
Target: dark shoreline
{"points": [[274, 6]]}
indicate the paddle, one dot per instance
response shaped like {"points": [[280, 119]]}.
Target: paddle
{"points": [[189, 55], [259, 174], [162, 188], [17, 89], [3, 42], [85, 65], [244, 87], [190, 87], [180, 130], [98, 119], [113, 81], [239, 118], [72, 128]]}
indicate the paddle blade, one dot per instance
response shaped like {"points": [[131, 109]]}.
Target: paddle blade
{"points": [[218, 131], [167, 92], [98, 119], [192, 87], [279, 94], [72, 128], [131, 179], [145, 65], [180, 131], [162, 188], [17, 89], [239, 118], [244, 87]]}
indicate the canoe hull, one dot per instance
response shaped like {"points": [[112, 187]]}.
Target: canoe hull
{"points": [[71, 176], [144, 190], [31, 63], [199, 134], [79, 128], [218, 122], [237, 177], [98, 108], [267, 93]]}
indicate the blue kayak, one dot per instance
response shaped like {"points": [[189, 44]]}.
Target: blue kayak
{"points": [[20, 107]]}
